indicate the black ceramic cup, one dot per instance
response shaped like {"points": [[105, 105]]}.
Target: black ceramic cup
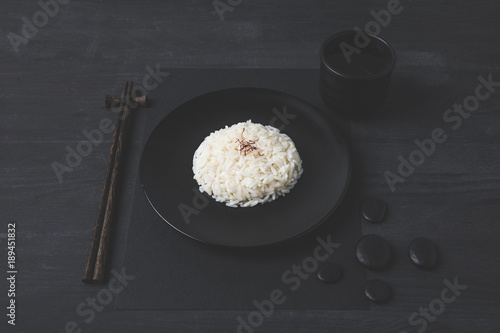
{"points": [[355, 72]]}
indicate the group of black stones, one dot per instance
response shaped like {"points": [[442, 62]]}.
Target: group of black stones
{"points": [[374, 252]]}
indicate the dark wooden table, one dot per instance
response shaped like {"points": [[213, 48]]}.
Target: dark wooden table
{"points": [[52, 84]]}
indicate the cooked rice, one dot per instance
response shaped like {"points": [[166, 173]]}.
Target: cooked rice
{"points": [[246, 179]]}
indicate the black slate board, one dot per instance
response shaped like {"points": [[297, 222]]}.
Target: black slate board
{"points": [[175, 272]]}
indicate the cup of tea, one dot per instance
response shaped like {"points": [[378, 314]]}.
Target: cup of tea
{"points": [[355, 72]]}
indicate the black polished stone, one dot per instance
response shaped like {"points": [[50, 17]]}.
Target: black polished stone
{"points": [[330, 272], [378, 291], [373, 209], [373, 251], [423, 252]]}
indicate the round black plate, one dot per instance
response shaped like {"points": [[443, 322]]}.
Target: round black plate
{"points": [[167, 176]]}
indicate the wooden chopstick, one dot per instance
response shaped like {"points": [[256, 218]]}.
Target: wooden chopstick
{"points": [[102, 253], [88, 276]]}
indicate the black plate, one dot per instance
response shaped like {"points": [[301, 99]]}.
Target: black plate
{"points": [[167, 176]]}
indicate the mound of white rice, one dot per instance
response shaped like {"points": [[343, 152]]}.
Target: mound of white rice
{"points": [[227, 169]]}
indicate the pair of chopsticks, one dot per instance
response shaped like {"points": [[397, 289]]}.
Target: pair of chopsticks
{"points": [[95, 267]]}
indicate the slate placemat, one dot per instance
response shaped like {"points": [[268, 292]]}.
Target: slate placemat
{"points": [[175, 272]]}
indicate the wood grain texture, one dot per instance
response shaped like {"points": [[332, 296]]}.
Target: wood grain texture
{"points": [[53, 88]]}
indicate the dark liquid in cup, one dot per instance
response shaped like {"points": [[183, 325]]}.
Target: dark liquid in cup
{"points": [[367, 63]]}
